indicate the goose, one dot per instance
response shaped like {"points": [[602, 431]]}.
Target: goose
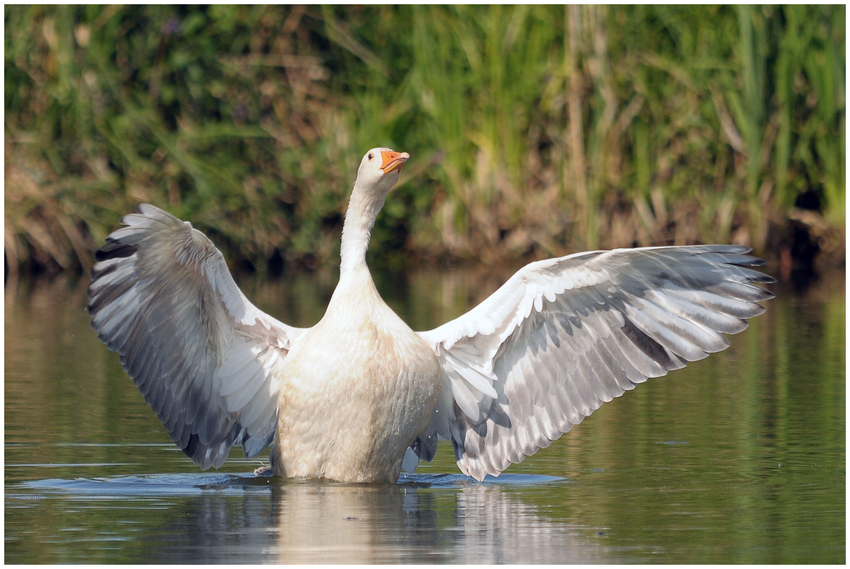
{"points": [[359, 397]]}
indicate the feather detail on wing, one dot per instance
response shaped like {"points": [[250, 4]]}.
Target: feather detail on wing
{"points": [[203, 356], [562, 336]]}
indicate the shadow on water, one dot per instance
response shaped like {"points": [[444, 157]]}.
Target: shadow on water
{"points": [[247, 519]]}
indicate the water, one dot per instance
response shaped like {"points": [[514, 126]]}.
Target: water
{"points": [[739, 458]]}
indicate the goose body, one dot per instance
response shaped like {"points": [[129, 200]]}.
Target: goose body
{"points": [[360, 396], [358, 388]]}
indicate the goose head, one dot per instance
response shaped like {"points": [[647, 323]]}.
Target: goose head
{"points": [[379, 169]]}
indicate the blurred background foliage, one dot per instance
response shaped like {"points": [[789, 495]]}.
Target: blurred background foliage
{"points": [[533, 130]]}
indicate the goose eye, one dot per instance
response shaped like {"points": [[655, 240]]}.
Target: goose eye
{"points": [[370, 156]]}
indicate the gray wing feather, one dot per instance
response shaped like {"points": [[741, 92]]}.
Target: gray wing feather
{"points": [[203, 357], [565, 335]]}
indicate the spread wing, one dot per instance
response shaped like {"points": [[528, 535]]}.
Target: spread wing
{"points": [[204, 358], [562, 336]]}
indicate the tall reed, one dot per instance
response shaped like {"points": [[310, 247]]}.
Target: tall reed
{"points": [[533, 129]]}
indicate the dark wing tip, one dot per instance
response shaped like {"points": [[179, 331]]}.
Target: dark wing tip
{"points": [[114, 250], [736, 255]]}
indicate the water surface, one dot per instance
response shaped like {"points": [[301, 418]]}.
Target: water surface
{"points": [[739, 458]]}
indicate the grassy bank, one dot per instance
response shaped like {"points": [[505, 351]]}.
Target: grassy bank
{"points": [[533, 130]]}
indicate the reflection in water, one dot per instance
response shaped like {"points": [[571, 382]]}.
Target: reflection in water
{"points": [[351, 524], [487, 516], [310, 522]]}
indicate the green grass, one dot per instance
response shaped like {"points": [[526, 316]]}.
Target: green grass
{"points": [[533, 130]]}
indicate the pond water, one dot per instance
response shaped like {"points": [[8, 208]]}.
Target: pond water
{"points": [[739, 458]]}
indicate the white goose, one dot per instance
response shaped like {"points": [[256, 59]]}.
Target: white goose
{"points": [[359, 396]]}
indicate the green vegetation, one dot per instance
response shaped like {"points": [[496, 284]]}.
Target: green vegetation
{"points": [[533, 130]]}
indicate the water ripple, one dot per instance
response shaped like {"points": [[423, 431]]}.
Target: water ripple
{"points": [[194, 484]]}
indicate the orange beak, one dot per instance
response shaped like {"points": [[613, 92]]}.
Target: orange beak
{"points": [[393, 160]]}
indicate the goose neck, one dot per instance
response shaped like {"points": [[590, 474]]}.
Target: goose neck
{"points": [[363, 209]]}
